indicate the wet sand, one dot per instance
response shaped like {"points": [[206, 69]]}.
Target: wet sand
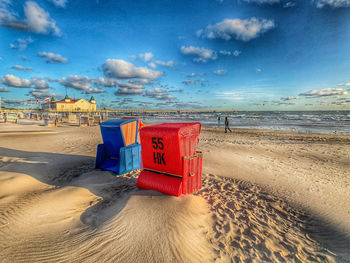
{"points": [[266, 197]]}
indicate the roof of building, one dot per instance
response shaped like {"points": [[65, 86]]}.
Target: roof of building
{"points": [[70, 100], [67, 98]]}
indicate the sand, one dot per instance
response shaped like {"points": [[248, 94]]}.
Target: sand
{"points": [[266, 197]]}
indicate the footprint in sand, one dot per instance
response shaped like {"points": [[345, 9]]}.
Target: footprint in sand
{"points": [[251, 225]]}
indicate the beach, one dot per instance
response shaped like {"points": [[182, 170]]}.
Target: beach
{"points": [[267, 196]]}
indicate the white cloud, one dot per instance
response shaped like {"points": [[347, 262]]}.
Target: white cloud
{"points": [[53, 58], [167, 64], [94, 91], [76, 82], [39, 20], [235, 53], [9, 19], [148, 57], [176, 90], [285, 103], [84, 83], [200, 54], [145, 57], [130, 85], [59, 3], [2, 89], [220, 72], [42, 93], [258, 70], [117, 68], [128, 91], [159, 94], [36, 20], [40, 88], [16, 82], [225, 52], [13, 102], [263, 1], [104, 82], [39, 83], [152, 65], [324, 93], [21, 43], [289, 98], [19, 67], [204, 82], [332, 3], [192, 75], [239, 29], [189, 82], [141, 81], [289, 4], [1, 58]]}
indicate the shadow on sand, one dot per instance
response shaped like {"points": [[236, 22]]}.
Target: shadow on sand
{"points": [[60, 170]]}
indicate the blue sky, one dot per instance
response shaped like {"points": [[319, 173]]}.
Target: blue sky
{"points": [[208, 54]]}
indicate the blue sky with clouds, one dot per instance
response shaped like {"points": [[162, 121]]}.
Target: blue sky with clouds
{"points": [[208, 54]]}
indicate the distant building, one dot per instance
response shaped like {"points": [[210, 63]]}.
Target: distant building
{"points": [[71, 105]]}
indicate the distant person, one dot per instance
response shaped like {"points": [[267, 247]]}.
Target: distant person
{"points": [[227, 125], [219, 120]]}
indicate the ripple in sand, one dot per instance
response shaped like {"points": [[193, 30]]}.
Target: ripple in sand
{"points": [[252, 225]]}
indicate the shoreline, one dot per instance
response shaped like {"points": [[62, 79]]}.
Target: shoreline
{"points": [[11, 127], [292, 128], [271, 132]]}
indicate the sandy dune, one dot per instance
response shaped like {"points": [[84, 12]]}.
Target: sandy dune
{"points": [[266, 197]]}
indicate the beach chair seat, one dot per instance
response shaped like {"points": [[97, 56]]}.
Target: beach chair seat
{"points": [[120, 151]]}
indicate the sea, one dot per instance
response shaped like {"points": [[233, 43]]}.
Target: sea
{"points": [[325, 122]]}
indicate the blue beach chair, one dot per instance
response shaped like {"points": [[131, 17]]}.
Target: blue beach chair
{"points": [[120, 151]]}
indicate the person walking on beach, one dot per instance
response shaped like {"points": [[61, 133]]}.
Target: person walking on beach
{"points": [[227, 125], [219, 120]]}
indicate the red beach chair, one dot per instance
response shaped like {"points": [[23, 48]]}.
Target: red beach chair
{"points": [[171, 162]]}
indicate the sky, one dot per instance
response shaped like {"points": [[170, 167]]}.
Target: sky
{"points": [[173, 54]]}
